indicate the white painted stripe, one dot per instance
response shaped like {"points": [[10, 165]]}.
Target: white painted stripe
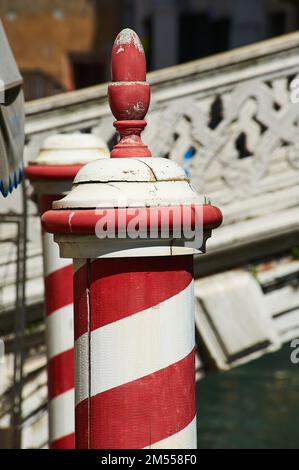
{"points": [[52, 260], [81, 368], [138, 345], [184, 439], [60, 331], [61, 415]]}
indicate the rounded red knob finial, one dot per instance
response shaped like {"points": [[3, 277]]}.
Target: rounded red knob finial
{"points": [[129, 94], [127, 58]]}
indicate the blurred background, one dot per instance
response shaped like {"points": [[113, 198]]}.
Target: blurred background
{"points": [[224, 106], [65, 45]]}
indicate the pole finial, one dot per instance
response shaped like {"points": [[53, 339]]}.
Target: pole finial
{"points": [[129, 94]]}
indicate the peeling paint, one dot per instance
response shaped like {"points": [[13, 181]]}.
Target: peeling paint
{"points": [[130, 139], [128, 36], [138, 82], [70, 220], [138, 106]]}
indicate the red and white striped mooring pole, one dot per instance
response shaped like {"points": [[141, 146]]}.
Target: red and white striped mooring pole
{"points": [[133, 281], [52, 174]]}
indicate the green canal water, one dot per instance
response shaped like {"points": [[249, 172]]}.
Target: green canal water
{"points": [[253, 406]]}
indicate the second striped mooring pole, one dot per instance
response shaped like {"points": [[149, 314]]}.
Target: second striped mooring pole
{"points": [[51, 175], [132, 224]]}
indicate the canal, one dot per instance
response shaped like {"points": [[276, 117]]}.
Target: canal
{"points": [[252, 406]]}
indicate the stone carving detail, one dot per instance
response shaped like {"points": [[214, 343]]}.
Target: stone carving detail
{"points": [[241, 133]]}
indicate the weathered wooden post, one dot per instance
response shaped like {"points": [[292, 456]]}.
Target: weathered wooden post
{"points": [[52, 174], [125, 224]]}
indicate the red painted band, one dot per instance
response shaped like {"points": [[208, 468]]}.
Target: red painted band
{"points": [[120, 287], [81, 424], [140, 413], [52, 172], [45, 204], [61, 373], [84, 221], [65, 442], [59, 289], [140, 283]]}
